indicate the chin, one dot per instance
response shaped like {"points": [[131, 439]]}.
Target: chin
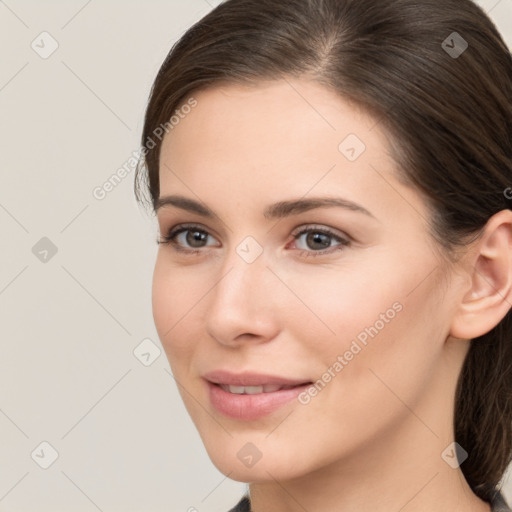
{"points": [[242, 461]]}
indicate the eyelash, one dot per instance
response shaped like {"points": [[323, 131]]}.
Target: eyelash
{"points": [[173, 233]]}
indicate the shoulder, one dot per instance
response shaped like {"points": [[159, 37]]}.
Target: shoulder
{"points": [[244, 505], [498, 503]]}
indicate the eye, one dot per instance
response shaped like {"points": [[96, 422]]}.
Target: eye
{"points": [[320, 239], [192, 237]]}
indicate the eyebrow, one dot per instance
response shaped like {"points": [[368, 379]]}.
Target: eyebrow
{"points": [[273, 211]]}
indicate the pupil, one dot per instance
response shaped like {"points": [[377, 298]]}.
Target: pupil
{"points": [[320, 238], [196, 237]]}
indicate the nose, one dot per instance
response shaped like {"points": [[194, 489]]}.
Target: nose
{"points": [[240, 306]]}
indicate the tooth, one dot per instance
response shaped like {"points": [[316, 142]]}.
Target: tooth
{"points": [[270, 388], [236, 389], [252, 390]]}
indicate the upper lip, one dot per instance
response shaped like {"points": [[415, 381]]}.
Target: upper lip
{"points": [[250, 379]]}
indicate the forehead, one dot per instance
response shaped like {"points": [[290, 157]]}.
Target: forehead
{"points": [[274, 125], [244, 146], [263, 109]]}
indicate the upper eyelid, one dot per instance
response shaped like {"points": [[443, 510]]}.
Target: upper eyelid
{"points": [[319, 227]]}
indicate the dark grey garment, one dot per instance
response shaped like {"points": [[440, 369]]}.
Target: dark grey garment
{"points": [[498, 504], [243, 505]]}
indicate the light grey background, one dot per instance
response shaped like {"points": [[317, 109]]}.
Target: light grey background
{"points": [[70, 323]]}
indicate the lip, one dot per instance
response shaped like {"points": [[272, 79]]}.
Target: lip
{"points": [[250, 379], [247, 407]]}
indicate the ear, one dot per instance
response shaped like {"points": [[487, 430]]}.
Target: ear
{"points": [[488, 296]]}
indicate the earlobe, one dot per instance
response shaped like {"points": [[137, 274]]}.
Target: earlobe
{"points": [[489, 296]]}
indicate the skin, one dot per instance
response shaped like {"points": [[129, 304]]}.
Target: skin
{"points": [[373, 437]]}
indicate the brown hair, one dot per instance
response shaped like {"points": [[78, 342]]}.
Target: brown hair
{"points": [[449, 120]]}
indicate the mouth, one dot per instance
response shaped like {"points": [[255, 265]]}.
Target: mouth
{"points": [[248, 403]]}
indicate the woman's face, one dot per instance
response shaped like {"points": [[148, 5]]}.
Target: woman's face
{"points": [[345, 297]]}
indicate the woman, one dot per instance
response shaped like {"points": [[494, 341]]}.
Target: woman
{"points": [[333, 284]]}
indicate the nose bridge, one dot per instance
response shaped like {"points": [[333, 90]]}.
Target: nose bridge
{"points": [[240, 299], [242, 271]]}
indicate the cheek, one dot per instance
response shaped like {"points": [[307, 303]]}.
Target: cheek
{"points": [[338, 304], [387, 350], [380, 320], [173, 300]]}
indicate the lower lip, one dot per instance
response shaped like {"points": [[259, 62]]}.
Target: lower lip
{"points": [[251, 407]]}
